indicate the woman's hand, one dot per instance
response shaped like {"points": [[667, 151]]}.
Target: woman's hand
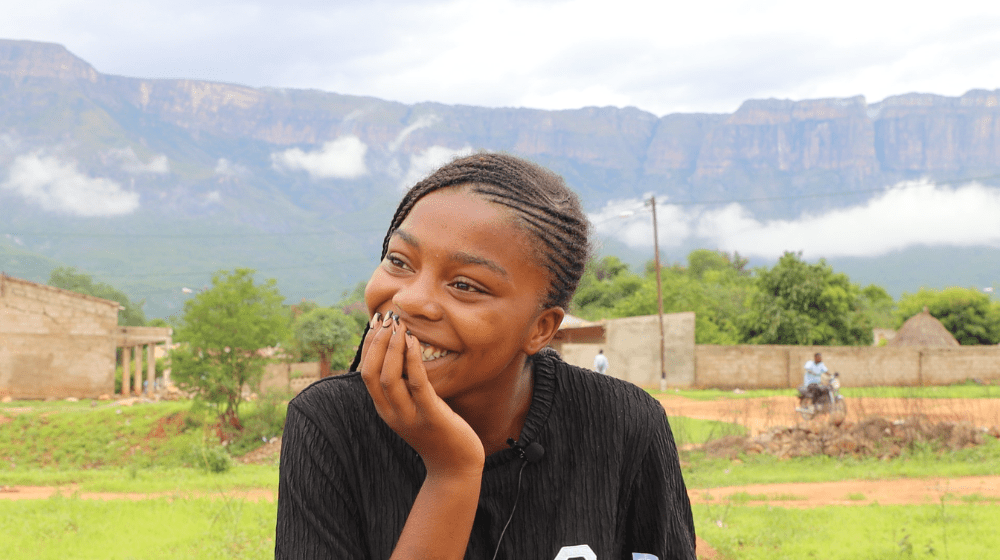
{"points": [[393, 370]]}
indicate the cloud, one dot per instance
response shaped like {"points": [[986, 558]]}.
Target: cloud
{"points": [[57, 186], [910, 213], [226, 168], [424, 163], [130, 163], [660, 56], [630, 222], [423, 121], [343, 158]]}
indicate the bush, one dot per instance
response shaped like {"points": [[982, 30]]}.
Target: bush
{"points": [[211, 458], [263, 420]]}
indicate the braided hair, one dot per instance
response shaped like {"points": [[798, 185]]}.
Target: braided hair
{"points": [[540, 201]]}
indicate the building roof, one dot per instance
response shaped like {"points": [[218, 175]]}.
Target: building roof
{"points": [[923, 330], [4, 279], [574, 322]]}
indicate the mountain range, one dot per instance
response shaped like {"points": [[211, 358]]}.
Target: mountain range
{"points": [[153, 184]]}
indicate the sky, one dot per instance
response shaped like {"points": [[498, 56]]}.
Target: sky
{"points": [[660, 56]]}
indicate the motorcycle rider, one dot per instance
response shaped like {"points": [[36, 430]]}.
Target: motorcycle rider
{"points": [[815, 375]]}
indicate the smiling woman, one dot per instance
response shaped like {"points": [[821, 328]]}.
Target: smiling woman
{"points": [[460, 435]]}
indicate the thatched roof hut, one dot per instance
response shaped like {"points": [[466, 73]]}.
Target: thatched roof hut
{"points": [[923, 330]]}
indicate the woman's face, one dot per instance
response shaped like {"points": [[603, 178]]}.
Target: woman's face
{"points": [[462, 276]]}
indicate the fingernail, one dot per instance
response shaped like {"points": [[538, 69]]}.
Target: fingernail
{"points": [[396, 317], [410, 341], [375, 320], [388, 319]]}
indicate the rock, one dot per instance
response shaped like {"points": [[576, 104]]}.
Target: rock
{"points": [[104, 397], [7, 399], [72, 399]]}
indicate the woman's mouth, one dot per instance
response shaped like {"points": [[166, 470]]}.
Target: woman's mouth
{"points": [[431, 353]]}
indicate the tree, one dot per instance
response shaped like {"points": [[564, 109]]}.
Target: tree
{"points": [[714, 286], [225, 328], [69, 278], [968, 314], [800, 303], [330, 333]]}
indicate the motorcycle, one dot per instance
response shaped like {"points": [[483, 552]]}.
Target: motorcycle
{"points": [[823, 399]]}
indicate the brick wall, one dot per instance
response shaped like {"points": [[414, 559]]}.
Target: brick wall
{"points": [[54, 343]]}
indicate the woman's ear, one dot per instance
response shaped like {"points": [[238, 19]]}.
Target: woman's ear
{"points": [[544, 329]]}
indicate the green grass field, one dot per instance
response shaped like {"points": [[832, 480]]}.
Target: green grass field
{"points": [[167, 449], [202, 528]]}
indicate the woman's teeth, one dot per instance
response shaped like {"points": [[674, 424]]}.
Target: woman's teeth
{"points": [[432, 353]]}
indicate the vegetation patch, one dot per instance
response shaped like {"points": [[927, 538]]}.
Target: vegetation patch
{"points": [[849, 532], [872, 437], [204, 528]]}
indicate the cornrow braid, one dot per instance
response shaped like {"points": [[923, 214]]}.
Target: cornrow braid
{"points": [[547, 209]]}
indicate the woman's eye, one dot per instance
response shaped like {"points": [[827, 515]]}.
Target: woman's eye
{"points": [[396, 261], [465, 287]]}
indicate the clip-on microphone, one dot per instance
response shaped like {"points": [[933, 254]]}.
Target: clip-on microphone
{"points": [[531, 453]]}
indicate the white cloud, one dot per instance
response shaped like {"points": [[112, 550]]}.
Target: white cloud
{"points": [[630, 221], [422, 121], [659, 56], [130, 162], [426, 162], [57, 186], [910, 213], [226, 168], [343, 158]]}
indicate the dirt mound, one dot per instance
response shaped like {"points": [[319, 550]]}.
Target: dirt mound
{"points": [[267, 454], [872, 437]]}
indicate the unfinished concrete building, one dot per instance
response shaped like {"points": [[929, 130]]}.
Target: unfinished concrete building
{"points": [[55, 343]]}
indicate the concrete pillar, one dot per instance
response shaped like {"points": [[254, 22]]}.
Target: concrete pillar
{"points": [[138, 370], [166, 370], [150, 369], [126, 364]]}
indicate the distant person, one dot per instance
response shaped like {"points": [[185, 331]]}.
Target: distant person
{"points": [[815, 373], [601, 362]]}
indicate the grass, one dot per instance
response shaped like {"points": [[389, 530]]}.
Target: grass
{"points": [[967, 390], [701, 471], [849, 532], [694, 431], [154, 448], [71, 528], [175, 479], [76, 436]]}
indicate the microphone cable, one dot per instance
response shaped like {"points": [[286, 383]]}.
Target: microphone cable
{"points": [[517, 496]]}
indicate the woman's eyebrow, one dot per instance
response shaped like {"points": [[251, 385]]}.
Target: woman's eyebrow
{"points": [[466, 258], [459, 257], [406, 237]]}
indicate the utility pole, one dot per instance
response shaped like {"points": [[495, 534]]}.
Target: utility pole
{"points": [[659, 295]]}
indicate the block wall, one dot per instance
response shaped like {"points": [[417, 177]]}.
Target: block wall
{"points": [[55, 343]]}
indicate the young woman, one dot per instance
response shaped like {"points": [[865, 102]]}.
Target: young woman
{"points": [[461, 435]]}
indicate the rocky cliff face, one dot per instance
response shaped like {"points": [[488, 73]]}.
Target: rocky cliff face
{"points": [[192, 150], [844, 140]]}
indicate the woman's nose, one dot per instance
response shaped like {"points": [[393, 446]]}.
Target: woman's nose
{"points": [[418, 298]]}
